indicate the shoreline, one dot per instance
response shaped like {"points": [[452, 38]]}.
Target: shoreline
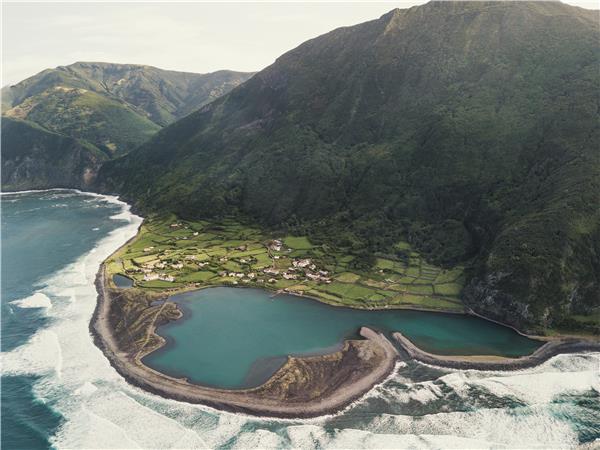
{"points": [[345, 377], [355, 374], [542, 354], [408, 307], [259, 401], [172, 292]]}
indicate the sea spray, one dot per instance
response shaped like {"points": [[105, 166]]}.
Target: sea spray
{"points": [[419, 406], [37, 300]]}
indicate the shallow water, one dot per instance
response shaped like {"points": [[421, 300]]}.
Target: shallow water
{"points": [[122, 282], [59, 390], [236, 337]]}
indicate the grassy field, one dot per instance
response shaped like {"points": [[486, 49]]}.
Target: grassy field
{"points": [[173, 255]]}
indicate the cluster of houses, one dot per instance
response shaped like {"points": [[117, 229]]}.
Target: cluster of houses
{"points": [[244, 277], [150, 274], [158, 276], [275, 245], [301, 269]]}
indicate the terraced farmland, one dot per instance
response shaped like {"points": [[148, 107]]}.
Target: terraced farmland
{"points": [[173, 255]]}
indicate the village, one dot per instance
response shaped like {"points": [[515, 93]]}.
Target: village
{"points": [[165, 262], [174, 256]]}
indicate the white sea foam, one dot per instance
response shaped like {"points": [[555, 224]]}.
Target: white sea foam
{"points": [[41, 355], [534, 425], [86, 389], [37, 300], [262, 439], [308, 436], [65, 191], [533, 386], [101, 410], [139, 424], [525, 427], [31, 191], [423, 392]]}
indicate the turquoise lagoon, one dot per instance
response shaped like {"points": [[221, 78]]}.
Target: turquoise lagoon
{"points": [[238, 337], [59, 391]]}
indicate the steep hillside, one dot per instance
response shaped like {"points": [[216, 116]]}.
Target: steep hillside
{"points": [[161, 95], [470, 128], [82, 114], [35, 158], [113, 106], [110, 107]]}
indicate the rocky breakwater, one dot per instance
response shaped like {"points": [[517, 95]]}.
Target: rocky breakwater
{"points": [[123, 327], [488, 362]]}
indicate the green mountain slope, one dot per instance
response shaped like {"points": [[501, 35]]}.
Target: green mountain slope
{"points": [[35, 158], [111, 107], [76, 112], [471, 128]]}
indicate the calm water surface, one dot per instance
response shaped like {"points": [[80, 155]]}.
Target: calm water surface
{"points": [[232, 337], [122, 282]]}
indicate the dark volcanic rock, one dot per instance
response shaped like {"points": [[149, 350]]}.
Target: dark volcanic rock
{"points": [[34, 158], [484, 297]]}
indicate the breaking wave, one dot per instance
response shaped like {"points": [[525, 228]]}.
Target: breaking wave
{"points": [[37, 300], [418, 407]]}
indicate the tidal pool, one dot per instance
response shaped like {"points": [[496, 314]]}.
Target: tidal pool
{"points": [[122, 281], [235, 338]]}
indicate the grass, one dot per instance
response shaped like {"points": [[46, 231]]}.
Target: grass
{"points": [[419, 289], [426, 302], [297, 242], [402, 245], [384, 264], [196, 277], [451, 289], [413, 271], [347, 277], [347, 290], [202, 253], [448, 276]]}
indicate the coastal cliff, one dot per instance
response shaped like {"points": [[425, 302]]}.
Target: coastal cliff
{"points": [[61, 125], [35, 158]]}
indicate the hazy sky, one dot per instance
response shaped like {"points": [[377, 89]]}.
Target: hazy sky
{"points": [[195, 37]]}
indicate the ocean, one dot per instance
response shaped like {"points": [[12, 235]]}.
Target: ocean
{"points": [[59, 391]]}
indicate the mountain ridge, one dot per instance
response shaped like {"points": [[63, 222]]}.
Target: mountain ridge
{"points": [[182, 92], [458, 125], [112, 108]]}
